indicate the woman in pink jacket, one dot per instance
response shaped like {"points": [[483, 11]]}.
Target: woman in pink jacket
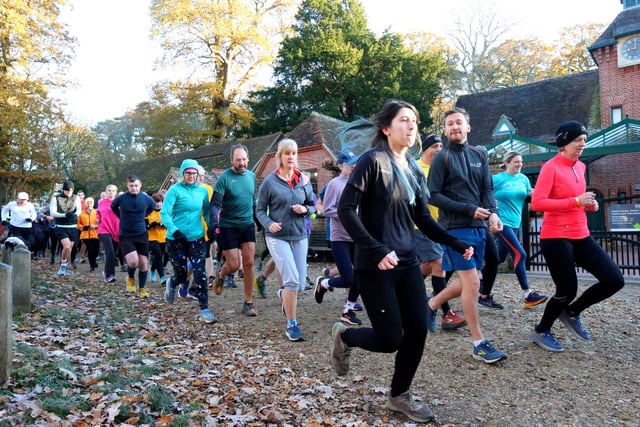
{"points": [[108, 226], [565, 241]]}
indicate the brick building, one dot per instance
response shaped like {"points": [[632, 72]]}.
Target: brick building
{"points": [[607, 101]]}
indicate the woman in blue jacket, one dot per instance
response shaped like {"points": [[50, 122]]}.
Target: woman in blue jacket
{"points": [[185, 204]]}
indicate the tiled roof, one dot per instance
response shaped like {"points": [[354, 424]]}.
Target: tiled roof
{"points": [[535, 109], [153, 172], [627, 22], [317, 129]]}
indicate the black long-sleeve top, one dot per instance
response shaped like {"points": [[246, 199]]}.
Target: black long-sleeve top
{"points": [[459, 182], [376, 212]]}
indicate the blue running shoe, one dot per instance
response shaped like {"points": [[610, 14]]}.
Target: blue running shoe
{"points": [[229, 282], [207, 316], [487, 353], [574, 325], [154, 276], [431, 317], [169, 293], [546, 340], [294, 333], [184, 290]]}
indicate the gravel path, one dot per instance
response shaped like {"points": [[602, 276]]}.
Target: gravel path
{"points": [[244, 372]]}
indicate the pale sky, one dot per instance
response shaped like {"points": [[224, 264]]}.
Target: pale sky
{"points": [[114, 65]]}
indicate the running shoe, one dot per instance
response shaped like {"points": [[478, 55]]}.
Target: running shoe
{"points": [[294, 333], [249, 310], [169, 293], [452, 320], [405, 403], [486, 352], [431, 317], [183, 291], [219, 284], [207, 316], [320, 290], [546, 340], [340, 352], [260, 283], [574, 325], [489, 302], [350, 318], [534, 299]]}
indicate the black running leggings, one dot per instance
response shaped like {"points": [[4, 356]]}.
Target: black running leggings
{"points": [[562, 256], [396, 304]]}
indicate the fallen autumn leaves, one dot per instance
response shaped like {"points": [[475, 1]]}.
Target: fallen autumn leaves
{"points": [[91, 354]]}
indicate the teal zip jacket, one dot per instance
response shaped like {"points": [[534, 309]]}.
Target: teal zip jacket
{"points": [[184, 207]]}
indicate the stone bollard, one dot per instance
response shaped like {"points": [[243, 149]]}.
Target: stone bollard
{"points": [[21, 279], [6, 316]]}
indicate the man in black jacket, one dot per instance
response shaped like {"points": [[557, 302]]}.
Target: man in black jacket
{"points": [[461, 187]]}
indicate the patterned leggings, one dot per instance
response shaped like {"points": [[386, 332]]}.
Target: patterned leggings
{"points": [[179, 254]]}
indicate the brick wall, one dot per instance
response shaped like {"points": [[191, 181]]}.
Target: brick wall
{"points": [[614, 173], [619, 87]]}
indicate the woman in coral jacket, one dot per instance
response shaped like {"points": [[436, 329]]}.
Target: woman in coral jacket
{"points": [[565, 240], [88, 226]]}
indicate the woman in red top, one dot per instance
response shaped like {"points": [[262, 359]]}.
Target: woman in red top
{"points": [[565, 240]]}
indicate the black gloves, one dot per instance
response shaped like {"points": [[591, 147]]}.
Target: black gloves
{"points": [[179, 236], [211, 234], [85, 228], [4, 223], [28, 219]]}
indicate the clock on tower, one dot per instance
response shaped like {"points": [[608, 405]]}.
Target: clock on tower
{"points": [[629, 50]]}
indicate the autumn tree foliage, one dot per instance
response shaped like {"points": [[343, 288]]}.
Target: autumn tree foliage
{"points": [[489, 58], [35, 49], [333, 64], [225, 48]]}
